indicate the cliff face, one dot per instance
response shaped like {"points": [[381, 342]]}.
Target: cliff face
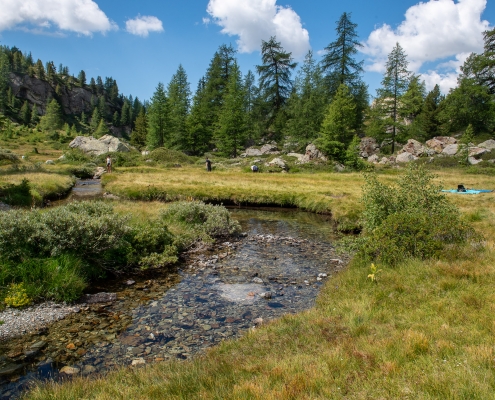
{"points": [[37, 92]]}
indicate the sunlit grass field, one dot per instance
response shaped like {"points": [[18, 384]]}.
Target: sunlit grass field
{"points": [[424, 330]]}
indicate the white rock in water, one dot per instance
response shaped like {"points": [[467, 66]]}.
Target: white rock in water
{"points": [[138, 361], [69, 370], [257, 280]]}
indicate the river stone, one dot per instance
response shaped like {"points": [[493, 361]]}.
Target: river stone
{"points": [[38, 345], [69, 370], [257, 280], [102, 297], [138, 361], [10, 369]]}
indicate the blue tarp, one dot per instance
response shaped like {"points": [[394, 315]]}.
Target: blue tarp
{"points": [[468, 191]]}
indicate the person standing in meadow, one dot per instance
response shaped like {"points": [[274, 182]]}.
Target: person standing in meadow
{"points": [[208, 164]]}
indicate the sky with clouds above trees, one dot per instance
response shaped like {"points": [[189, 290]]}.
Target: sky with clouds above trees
{"points": [[142, 43]]}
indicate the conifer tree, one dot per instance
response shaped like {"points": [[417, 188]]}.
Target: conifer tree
{"points": [[199, 133], [250, 101], [81, 78], [25, 114], [92, 85], [230, 134], [39, 70], [95, 119], [158, 119], [429, 113], [308, 102], [394, 85], [124, 114], [34, 115], [4, 80], [413, 99], [274, 77], [337, 127], [179, 94], [52, 120], [139, 133], [116, 119]]}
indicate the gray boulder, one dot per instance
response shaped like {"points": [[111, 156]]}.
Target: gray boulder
{"points": [[488, 144], [477, 151], [450, 149], [252, 152], [414, 147], [405, 157], [368, 147], [438, 143], [270, 148], [312, 154], [373, 159], [105, 144], [297, 155], [277, 162], [473, 161]]}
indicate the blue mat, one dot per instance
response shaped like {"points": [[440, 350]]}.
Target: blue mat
{"points": [[468, 191]]}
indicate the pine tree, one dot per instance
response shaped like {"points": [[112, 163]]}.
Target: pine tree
{"points": [[124, 114], [116, 119], [394, 85], [413, 99], [230, 134], [39, 70], [337, 127], [308, 102], [92, 85], [250, 101], [158, 119], [52, 120], [25, 114], [179, 94], [95, 119], [34, 115], [139, 133], [429, 113], [199, 133], [274, 77], [4, 80], [81, 78]]}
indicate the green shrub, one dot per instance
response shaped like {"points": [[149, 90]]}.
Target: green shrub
{"points": [[17, 195], [205, 220], [412, 220], [85, 171], [171, 157], [76, 156], [129, 159]]}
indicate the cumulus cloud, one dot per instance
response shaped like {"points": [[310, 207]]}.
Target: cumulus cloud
{"points": [[80, 16], [256, 20], [431, 31], [143, 25]]}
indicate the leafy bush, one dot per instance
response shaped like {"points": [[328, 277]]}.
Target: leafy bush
{"points": [[205, 220], [17, 195], [168, 156], [17, 296], [129, 159], [76, 156], [412, 220]]}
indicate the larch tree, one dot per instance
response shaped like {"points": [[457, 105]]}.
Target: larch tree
{"points": [[158, 119], [4, 80], [230, 134], [275, 78], [52, 120], [179, 96], [140, 131], [198, 132], [394, 84]]}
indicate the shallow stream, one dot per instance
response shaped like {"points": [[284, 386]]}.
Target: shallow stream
{"points": [[217, 293]]}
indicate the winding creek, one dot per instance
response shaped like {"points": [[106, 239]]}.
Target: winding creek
{"points": [[217, 292]]}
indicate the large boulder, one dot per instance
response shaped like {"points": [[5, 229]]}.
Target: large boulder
{"points": [[373, 159], [414, 147], [312, 154], [368, 147], [105, 144], [270, 148], [252, 152], [488, 144], [405, 157], [438, 143], [277, 162], [450, 149], [297, 155], [477, 152]]}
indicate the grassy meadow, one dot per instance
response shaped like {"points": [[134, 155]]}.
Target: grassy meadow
{"points": [[423, 330]]}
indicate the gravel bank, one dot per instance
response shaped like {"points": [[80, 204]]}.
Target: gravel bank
{"points": [[18, 322]]}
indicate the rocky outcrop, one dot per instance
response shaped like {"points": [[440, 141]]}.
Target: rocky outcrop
{"points": [[313, 154], [105, 144], [450, 150], [405, 157], [438, 143], [269, 148], [414, 148], [488, 144], [297, 155], [368, 147], [38, 92]]}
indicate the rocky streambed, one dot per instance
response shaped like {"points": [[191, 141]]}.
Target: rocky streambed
{"points": [[218, 293]]}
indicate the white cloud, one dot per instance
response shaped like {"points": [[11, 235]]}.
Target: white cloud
{"points": [[256, 20], [206, 21], [431, 31], [143, 25], [80, 16]]}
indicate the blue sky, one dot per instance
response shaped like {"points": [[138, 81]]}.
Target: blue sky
{"points": [[141, 43]]}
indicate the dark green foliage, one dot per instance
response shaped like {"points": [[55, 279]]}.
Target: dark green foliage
{"points": [[76, 156], [17, 195], [121, 159], [179, 94], [52, 120], [102, 129], [274, 77], [411, 220], [140, 131], [170, 157], [352, 158], [199, 132], [61, 279], [159, 126], [428, 118]]}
